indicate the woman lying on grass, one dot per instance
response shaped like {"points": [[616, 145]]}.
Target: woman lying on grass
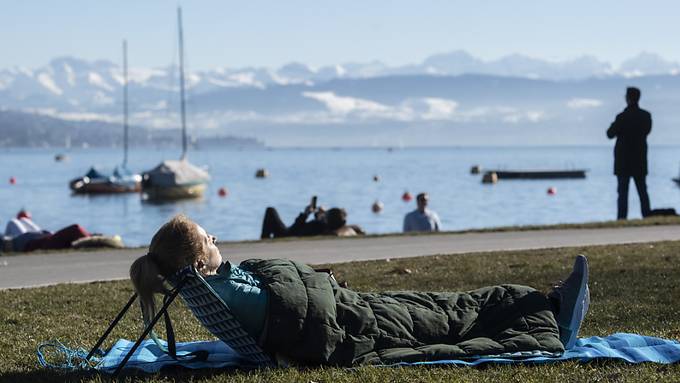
{"points": [[304, 316]]}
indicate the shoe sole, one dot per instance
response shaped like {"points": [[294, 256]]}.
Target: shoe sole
{"points": [[577, 314]]}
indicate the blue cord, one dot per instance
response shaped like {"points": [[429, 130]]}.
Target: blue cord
{"points": [[74, 358]]}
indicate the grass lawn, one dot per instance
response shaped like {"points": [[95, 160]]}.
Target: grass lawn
{"points": [[634, 288]]}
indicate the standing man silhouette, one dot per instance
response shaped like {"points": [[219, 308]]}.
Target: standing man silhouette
{"points": [[631, 128]]}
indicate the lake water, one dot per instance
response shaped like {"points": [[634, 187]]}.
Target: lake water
{"points": [[340, 177]]}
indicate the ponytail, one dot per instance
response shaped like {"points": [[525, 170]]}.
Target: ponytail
{"points": [[147, 280]]}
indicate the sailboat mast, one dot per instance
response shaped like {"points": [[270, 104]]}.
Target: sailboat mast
{"points": [[125, 105], [181, 84]]}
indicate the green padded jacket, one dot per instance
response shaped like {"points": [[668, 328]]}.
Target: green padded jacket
{"points": [[312, 320]]}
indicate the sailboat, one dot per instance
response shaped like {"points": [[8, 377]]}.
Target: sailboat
{"points": [[176, 179], [120, 180]]}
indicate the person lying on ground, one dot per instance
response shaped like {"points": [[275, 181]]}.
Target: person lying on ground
{"points": [[331, 222], [301, 315], [24, 235]]}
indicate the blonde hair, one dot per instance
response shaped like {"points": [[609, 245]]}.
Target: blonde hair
{"points": [[175, 245]]}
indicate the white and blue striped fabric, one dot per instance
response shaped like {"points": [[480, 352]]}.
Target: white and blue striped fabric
{"points": [[150, 358], [631, 348]]}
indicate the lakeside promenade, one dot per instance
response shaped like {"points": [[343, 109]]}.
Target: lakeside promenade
{"points": [[32, 270]]}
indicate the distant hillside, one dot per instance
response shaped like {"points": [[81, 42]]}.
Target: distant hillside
{"points": [[19, 129]]}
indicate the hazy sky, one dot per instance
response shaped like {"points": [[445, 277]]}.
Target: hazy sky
{"points": [[271, 33]]}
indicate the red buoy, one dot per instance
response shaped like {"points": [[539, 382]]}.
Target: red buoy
{"points": [[12, 180], [552, 190], [222, 192], [406, 197]]}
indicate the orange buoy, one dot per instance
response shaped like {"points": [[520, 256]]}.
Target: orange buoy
{"points": [[12, 180], [222, 192], [406, 197], [552, 190], [377, 207]]}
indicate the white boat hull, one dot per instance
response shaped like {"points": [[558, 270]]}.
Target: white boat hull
{"points": [[174, 192]]}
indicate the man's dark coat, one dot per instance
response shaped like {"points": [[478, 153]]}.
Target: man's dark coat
{"points": [[631, 128]]}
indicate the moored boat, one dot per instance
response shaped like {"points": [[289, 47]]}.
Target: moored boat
{"points": [[174, 180], [538, 174], [171, 179], [96, 181], [121, 179]]}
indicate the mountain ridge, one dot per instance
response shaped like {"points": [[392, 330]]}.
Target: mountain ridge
{"points": [[417, 104]]}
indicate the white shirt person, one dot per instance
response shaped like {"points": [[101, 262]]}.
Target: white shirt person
{"points": [[422, 219], [20, 225]]}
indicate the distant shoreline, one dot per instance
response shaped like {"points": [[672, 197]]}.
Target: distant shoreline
{"points": [[358, 147]]}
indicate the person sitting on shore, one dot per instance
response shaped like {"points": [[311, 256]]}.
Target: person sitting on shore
{"points": [[331, 222], [336, 224], [21, 224], [21, 230], [422, 219], [304, 316]]}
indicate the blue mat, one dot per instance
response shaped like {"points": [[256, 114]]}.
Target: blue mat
{"points": [[627, 347], [149, 358], [631, 348]]}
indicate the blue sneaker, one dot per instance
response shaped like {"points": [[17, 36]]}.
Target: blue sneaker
{"points": [[573, 296]]}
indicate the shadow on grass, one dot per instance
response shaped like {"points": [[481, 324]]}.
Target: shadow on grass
{"points": [[596, 370], [44, 376], [173, 374]]}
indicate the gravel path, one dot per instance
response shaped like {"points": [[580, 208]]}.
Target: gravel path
{"points": [[85, 266]]}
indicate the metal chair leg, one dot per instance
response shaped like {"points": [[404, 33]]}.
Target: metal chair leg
{"points": [[111, 326], [147, 330]]}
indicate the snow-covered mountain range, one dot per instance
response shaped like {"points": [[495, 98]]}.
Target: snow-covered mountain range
{"points": [[96, 84], [298, 104]]}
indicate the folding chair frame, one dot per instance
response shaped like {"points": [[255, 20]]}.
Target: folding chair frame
{"points": [[242, 344], [166, 303]]}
